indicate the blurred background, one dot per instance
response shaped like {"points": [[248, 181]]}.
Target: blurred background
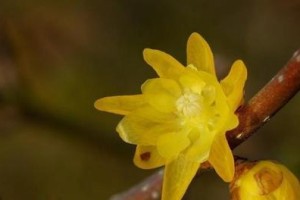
{"points": [[58, 57]]}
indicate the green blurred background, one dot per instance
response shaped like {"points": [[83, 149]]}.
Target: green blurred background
{"points": [[58, 57]]}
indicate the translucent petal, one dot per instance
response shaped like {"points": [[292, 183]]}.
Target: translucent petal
{"points": [[291, 184], [147, 157], [233, 84], [177, 177], [221, 158], [190, 80], [165, 65], [199, 54], [145, 125], [209, 94], [169, 145], [233, 122], [161, 93], [206, 83], [200, 147], [122, 105]]}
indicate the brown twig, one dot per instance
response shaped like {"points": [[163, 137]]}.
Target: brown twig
{"points": [[252, 116], [267, 101], [148, 189]]}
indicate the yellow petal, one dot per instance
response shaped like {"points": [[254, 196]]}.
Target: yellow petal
{"points": [[199, 54], [221, 158], [147, 157], [165, 65], [122, 105], [145, 125], [202, 140], [177, 177], [161, 93], [169, 145], [233, 122], [233, 84], [291, 184], [191, 80]]}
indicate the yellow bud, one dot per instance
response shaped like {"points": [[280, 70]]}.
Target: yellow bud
{"points": [[264, 180]]}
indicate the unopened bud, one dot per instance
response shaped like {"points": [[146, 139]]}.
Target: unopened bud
{"points": [[264, 180]]}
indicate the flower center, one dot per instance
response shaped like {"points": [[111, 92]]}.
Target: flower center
{"points": [[189, 104]]}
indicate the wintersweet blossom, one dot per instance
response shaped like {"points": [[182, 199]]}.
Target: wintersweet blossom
{"points": [[265, 180], [180, 118]]}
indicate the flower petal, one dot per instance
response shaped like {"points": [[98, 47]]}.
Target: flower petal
{"points": [[233, 84], [177, 177], [145, 125], [161, 93], [169, 145], [232, 122], [221, 158], [199, 54], [202, 140], [147, 157], [165, 65], [191, 80], [291, 184], [122, 105]]}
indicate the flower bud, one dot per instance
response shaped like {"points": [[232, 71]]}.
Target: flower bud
{"points": [[264, 180]]}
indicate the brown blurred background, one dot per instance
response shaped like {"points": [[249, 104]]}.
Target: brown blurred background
{"points": [[58, 57]]}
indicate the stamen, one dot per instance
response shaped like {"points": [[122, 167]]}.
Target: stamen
{"points": [[189, 104]]}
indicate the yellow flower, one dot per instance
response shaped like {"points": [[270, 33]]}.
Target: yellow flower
{"points": [[180, 119], [265, 180]]}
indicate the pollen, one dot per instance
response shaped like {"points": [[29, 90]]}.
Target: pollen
{"points": [[189, 104]]}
